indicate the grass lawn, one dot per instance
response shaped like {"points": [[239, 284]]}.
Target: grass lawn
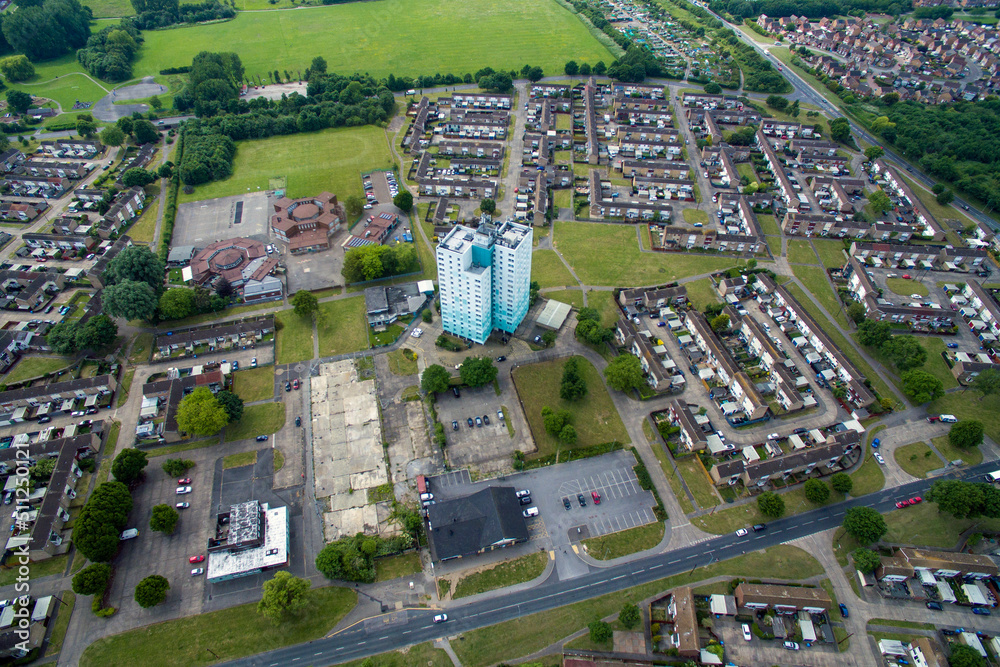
{"points": [[263, 419], [66, 90], [204, 639], [917, 459], [935, 364], [424, 655], [61, 623], [697, 481], [815, 280], [394, 567], [294, 341], [727, 520], [745, 169], [36, 569], [525, 635], [173, 449], [109, 8], [143, 229], [940, 212], [702, 293], [573, 297], [675, 481], [562, 198], [239, 460], [141, 348], [620, 262], [29, 367], [966, 406], [385, 337], [906, 287], [971, 456], [254, 384], [605, 304], [548, 269], [868, 478], [342, 327], [425, 37], [594, 416], [625, 542], [331, 160], [399, 364], [921, 525], [278, 460], [831, 253], [769, 225], [502, 575], [693, 215], [800, 252]]}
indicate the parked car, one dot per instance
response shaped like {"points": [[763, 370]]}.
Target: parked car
{"points": [[471, 423], [525, 500], [879, 459], [981, 611], [454, 424], [197, 571], [800, 431], [181, 490], [479, 421], [900, 504], [295, 383], [953, 346], [288, 386], [486, 419], [742, 532], [253, 363], [933, 418], [183, 481], [936, 606], [129, 533], [746, 632], [948, 419], [843, 610], [596, 496], [531, 511], [500, 415], [182, 506], [581, 500], [875, 443], [501, 358], [454, 390], [773, 436], [566, 502], [196, 559], [791, 646], [261, 438], [522, 493], [916, 500], [298, 421]]}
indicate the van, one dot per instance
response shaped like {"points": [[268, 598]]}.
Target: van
{"points": [[993, 476], [531, 511], [948, 419], [129, 534], [411, 91]]}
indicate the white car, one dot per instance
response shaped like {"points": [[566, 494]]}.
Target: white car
{"points": [[741, 532], [746, 632], [773, 436], [916, 296], [181, 490], [441, 618], [878, 457], [196, 571], [183, 506], [522, 493], [417, 333], [129, 533]]}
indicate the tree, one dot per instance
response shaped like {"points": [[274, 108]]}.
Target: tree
{"points": [[435, 379], [137, 177], [945, 197], [354, 205], [535, 74], [129, 299], [567, 435], [42, 470], [771, 504], [720, 323], [905, 352], [283, 594], [600, 68], [128, 465], [866, 560], [99, 332], [138, 263], [629, 616], [624, 373], [85, 127], [164, 519], [572, 387], [19, 101], [232, 404], [960, 499], [600, 632], [200, 413], [842, 482], [571, 68], [966, 433], [873, 333], [987, 383], [879, 202], [92, 579], [403, 200], [554, 421], [62, 338], [177, 303], [17, 68], [713, 88], [97, 528], [921, 386], [305, 303], [864, 524], [874, 152], [488, 206], [963, 655], [151, 591], [816, 491], [477, 371], [840, 130], [155, 102], [777, 102], [145, 132], [125, 124], [549, 338], [856, 312], [177, 467]]}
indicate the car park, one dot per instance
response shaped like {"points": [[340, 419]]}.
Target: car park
{"points": [[181, 490], [581, 500], [879, 459], [742, 532], [261, 438]]}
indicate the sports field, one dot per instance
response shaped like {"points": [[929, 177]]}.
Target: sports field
{"points": [[330, 160]]}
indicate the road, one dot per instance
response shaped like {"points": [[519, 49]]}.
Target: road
{"points": [[394, 631]]}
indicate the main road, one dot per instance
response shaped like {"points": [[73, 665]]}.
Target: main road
{"points": [[413, 626]]}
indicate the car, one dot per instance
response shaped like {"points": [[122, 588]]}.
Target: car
{"points": [[746, 632], [500, 415], [253, 363], [479, 421], [471, 423], [965, 207], [441, 618], [424, 497], [936, 606], [773, 436], [90, 411], [181, 490], [197, 571], [566, 502], [525, 500], [182, 506], [900, 504], [236, 365], [875, 443], [454, 390], [907, 276], [596, 496], [581, 500], [288, 386], [948, 419], [295, 383], [196, 559], [918, 297], [538, 339], [758, 527], [522, 493], [879, 459], [183, 481], [916, 500], [77, 413], [953, 346], [298, 421], [261, 438], [501, 358], [933, 418], [843, 610], [981, 611], [742, 532], [800, 431], [129, 533], [531, 511], [791, 646], [44, 419], [454, 424], [43, 259]]}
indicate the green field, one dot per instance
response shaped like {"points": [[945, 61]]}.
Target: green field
{"points": [[394, 567], [342, 327], [693, 215], [330, 160], [29, 367], [67, 89], [816, 281], [605, 304], [294, 340], [905, 287], [573, 297], [917, 459], [830, 252], [594, 417], [698, 482], [263, 419], [389, 36], [702, 293], [549, 271], [935, 364], [609, 255], [109, 8], [769, 225], [502, 575], [625, 542], [800, 252], [254, 384], [746, 169], [971, 456]]}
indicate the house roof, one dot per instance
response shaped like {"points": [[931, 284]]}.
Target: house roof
{"points": [[796, 596], [468, 525]]}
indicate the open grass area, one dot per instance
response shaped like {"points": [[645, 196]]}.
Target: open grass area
{"points": [[145, 227], [330, 160], [342, 327], [36, 569], [727, 520], [693, 215], [625, 542], [674, 478], [109, 8], [917, 459], [800, 252], [971, 456], [868, 478], [815, 280], [502, 575], [746, 169], [594, 417], [61, 623], [525, 635], [549, 271], [620, 262], [65, 90], [697, 481], [702, 293], [906, 287], [605, 304], [562, 198], [254, 384], [263, 419], [401, 364], [573, 297], [831, 253], [424, 655], [203, 639], [769, 225], [239, 460], [394, 567], [935, 364], [29, 367], [966, 405], [294, 340]]}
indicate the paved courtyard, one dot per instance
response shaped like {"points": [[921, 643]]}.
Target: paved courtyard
{"points": [[203, 222]]}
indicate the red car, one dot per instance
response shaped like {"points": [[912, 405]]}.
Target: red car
{"points": [[907, 276], [182, 482], [915, 500], [900, 504], [596, 496], [196, 559], [295, 384]]}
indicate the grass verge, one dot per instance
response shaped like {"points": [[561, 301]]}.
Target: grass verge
{"points": [[502, 575], [294, 341], [61, 623], [239, 460], [917, 459], [400, 364], [400, 565], [624, 542]]}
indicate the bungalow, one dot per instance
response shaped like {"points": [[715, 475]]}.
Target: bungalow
{"points": [[783, 599]]}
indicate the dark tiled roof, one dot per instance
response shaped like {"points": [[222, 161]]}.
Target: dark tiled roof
{"points": [[465, 526]]}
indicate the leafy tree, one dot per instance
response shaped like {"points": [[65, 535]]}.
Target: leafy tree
{"points": [[125, 124], [352, 558], [200, 413], [232, 404], [879, 202], [600, 68], [92, 579], [42, 470], [713, 88], [987, 383], [18, 101], [97, 528], [155, 102], [177, 467], [99, 332], [62, 338], [165, 170], [435, 379], [816, 491], [585, 69], [477, 371], [945, 197], [960, 499], [17, 68], [151, 591], [629, 616], [591, 331], [145, 132], [354, 205], [567, 435], [488, 206], [840, 130], [866, 560], [305, 303], [549, 338], [720, 322], [535, 74], [223, 287], [403, 200], [921, 386], [771, 504], [283, 594], [573, 387], [905, 352], [137, 176], [138, 263], [842, 482], [164, 519], [554, 421], [873, 333], [177, 303], [874, 152], [85, 127], [600, 632], [966, 433], [864, 524], [129, 299], [624, 373], [777, 102], [963, 655], [856, 312], [571, 68], [128, 465]]}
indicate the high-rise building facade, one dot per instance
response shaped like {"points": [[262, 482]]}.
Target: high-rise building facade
{"points": [[484, 277]]}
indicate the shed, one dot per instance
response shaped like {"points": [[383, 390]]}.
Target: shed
{"points": [[553, 315], [722, 605], [806, 626], [944, 590]]}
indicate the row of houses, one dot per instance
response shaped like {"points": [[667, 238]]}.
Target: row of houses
{"points": [[163, 398], [866, 292], [224, 336]]}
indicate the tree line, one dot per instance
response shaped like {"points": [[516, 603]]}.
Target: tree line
{"points": [[152, 14], [47, 29], [813, 9], [110, 53]]}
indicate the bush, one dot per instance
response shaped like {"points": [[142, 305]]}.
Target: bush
{"points": [[771, 504]]}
